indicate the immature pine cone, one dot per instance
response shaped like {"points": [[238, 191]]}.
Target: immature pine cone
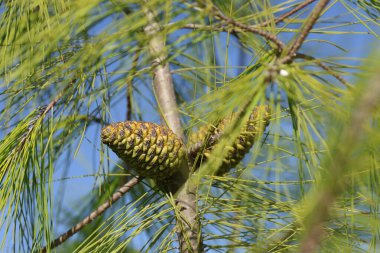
{"points": [[206, 138], [152, 150]]}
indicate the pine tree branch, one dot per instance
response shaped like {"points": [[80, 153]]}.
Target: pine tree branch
{"points": [[188, 224], [331, 72], [298, 55], [266, 23], [215, 27], [305, 30], [325, 67], [287, 14], [95, 214], [51, 105], [41, 113], [248, 28]]}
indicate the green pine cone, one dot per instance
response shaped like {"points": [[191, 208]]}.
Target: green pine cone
{"points": [[208, 136], [152, 150]]}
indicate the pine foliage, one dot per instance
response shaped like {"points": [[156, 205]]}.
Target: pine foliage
{"points": [[69, 69]]}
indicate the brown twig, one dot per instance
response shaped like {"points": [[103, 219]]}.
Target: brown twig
{"points": [[329, 70], [43, 110], [305, 30], [325, 67], [266, 23], [244, 27], [287, 14], [214, 27], [51, 105], [343, 156], [99, 211]]}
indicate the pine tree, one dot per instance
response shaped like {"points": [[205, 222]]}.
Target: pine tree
{"points": [[189, 126]]}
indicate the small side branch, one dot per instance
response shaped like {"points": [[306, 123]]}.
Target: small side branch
{"points": [[310, 22], [269, 36], [325, 67], [99, 211], [288, 14]]}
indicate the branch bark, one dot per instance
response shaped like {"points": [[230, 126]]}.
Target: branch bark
{"points": [[325, 67], [162, 79], [287, 14], [305, 30], [269, 36], [188, 224], [99, 211]]}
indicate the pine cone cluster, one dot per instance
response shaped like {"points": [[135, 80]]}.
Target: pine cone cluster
{"points": [[154, 151], [150, 149], [205, 139]]}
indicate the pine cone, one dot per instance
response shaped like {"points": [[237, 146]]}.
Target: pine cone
{"points": [[207, 137], [152, 150]]}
